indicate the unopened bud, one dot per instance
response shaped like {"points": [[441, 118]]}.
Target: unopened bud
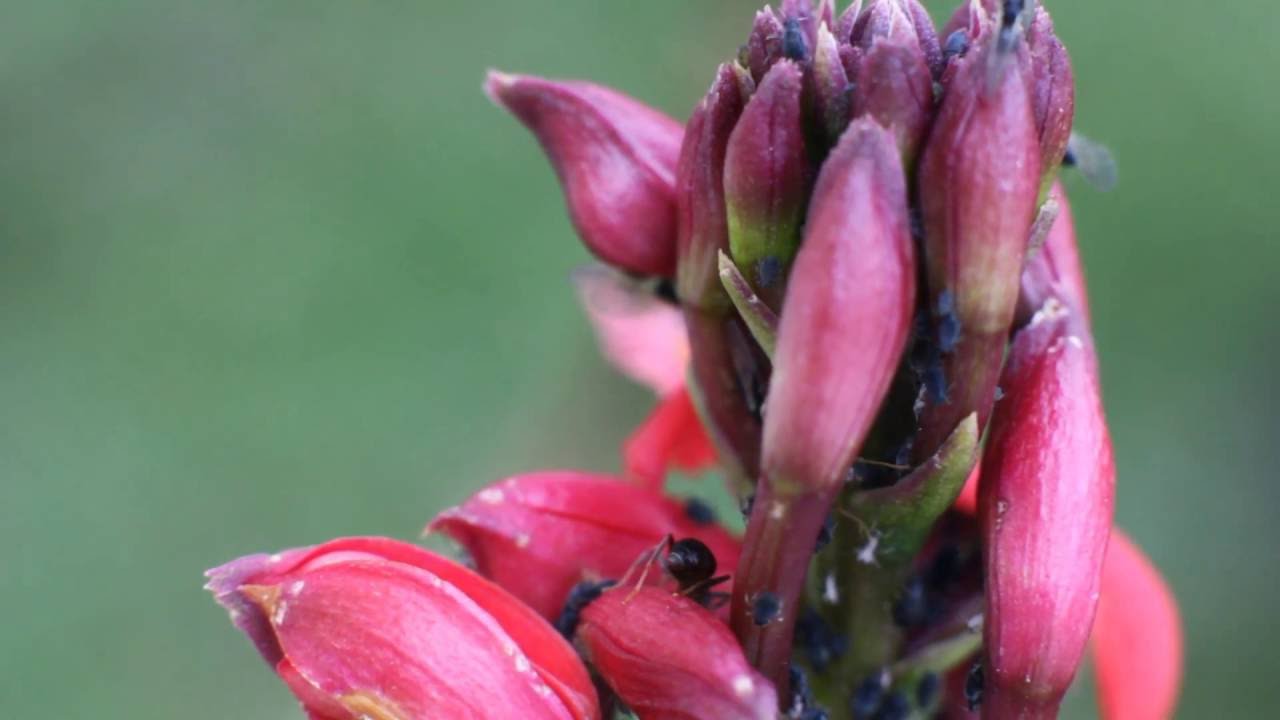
{"points": [[766, 179], [1048, 483], [848, 311], [616, 160]]}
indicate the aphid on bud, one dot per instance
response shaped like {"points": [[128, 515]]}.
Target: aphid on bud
{"points": [[867, 697], [765, 608], [582, 595], [768, 270], [746, 504], [822, 645], [801, 695], [697, 510], [948, 322], [895, 707], [665, 290], [911, 609], [794, 46], [824, 535], [927, 690], [957, 45], [973, 687]]}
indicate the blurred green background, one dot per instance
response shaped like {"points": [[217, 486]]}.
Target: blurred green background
{"points": [[276, 272]]}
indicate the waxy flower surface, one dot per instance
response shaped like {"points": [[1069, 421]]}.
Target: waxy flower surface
{"points": [[852, 282]]}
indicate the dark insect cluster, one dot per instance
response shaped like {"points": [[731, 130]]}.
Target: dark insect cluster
{"points": [[582, 595]]}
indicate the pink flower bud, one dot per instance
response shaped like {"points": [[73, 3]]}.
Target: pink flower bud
{"points": [[616, 160], [1054, 270], [979, 178], [702, 228], [766, 178], [375, 628], [1045, 501], [894, 79], [1053, 92], [669, 658], [538, 535], [1137, 637], [830, 84], [764, 46], [848, 310]]}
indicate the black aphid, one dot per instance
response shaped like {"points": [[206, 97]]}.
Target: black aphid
{"points": [[794, 46], [867, 698], [825, 534], [765, 608], [948, 322], [973, 687], [582, 595], [697, 510], [927, 690], [911, 609], [746, 504], [665, 290], [957, 44], [821, 644], [895, 707], [768, 270]]}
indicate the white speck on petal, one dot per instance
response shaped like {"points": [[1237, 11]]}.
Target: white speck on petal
{"points": [[743, 685], [277, 616], [296, 587], [777, 511], [493, 496], [274, 558], [522, 540]]}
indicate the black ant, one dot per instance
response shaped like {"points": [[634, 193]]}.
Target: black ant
{"points": [[693, 566]]}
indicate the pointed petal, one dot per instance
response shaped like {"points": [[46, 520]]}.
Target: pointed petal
{"points": [[672, 437], [538, 535], [1137, 637]]}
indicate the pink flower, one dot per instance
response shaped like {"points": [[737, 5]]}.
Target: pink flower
{"points": [[374, 628]]}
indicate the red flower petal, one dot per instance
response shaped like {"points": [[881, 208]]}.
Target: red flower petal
{"points": [[672, 437], [377, 628], [1137, 637], [538, 535]]}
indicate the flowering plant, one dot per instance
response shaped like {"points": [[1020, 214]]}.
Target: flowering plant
{"points": [[852, 280]]}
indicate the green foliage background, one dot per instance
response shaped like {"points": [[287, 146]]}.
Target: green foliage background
{"points": [[276, 272]]}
